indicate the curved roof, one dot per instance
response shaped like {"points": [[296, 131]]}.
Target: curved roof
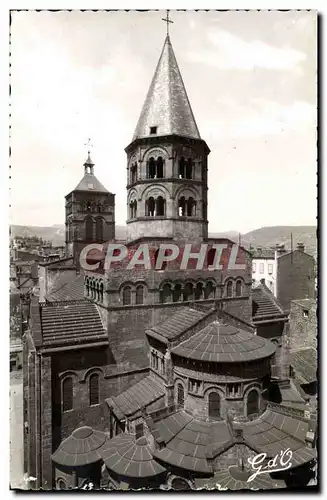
{"points": [[166, 105], [129, 458], [80, 448], [220, 343]]}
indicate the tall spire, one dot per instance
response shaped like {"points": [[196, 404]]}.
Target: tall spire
{"points": [[166, 109]]}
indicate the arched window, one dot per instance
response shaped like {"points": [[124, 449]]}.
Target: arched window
{"points": [[188, 292], [190, 207], [88, 206], [97, 291], [99, 229], [150, 203], [101, 292], [229, 289], [67, 394], [211, 256], [61, 485], [182, 207], [177, 293], [133, 209], [139, 294], [127, 296], [198, 291], [88, 228], [214, 406], [160, 206], [87, 285], [160, 165], [238, 291], [166, 294], [189, 169], [210, 290], [181, 169], [252, 404], [94, 389], [133, 176], [180, 395], [99, 207], [151, 168]]}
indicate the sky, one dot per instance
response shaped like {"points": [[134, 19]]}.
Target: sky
{"points": [[250, 79]]}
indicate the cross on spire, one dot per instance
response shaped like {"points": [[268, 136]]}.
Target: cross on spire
{"points": [[89, 145], [167, 20]]}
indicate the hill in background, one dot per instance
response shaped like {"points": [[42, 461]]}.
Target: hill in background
{"points": [[265, 236]]}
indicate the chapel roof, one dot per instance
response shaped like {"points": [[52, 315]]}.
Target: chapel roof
{"points": [[130, 458], [222, 343], [80, 448], [166, 106]]}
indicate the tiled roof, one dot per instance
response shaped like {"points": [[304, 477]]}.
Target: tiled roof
{"points": [[166, 105], [82, 447], [304, 363], [187, 441], [265, 253], [265, 304], [65, 263], [64, 323], [178, 323], [136, 397], [71, 290], [218, 343], [129, 458], [90, 183], [274, 431], [306, 303], [232, 478]]}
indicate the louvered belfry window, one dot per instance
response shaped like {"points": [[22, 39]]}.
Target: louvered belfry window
{"points": [[67, 394], [94, 389]]}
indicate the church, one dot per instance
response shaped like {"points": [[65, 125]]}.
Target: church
{"points": [[156, 378]]}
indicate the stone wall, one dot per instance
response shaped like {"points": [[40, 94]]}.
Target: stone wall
{"points": [[303, 326], [295, 278]]}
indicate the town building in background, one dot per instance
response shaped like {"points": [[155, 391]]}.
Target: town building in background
{"points": [[289, 274]]}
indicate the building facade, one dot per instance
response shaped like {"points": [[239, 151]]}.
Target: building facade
{"points": [[86, 342]]}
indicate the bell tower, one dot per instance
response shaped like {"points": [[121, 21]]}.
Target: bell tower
{"points": [[90, 213], [167, 189]]}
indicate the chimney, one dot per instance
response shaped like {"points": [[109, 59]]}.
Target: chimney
{"points": [[280, 250], [300, 247]]}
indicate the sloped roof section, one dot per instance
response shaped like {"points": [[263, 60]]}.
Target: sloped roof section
{"points": [[166, 105], [90, 183], [65, 323], [68, 289], [136, 397], [180, 322], [265, 303], [304, 364]]}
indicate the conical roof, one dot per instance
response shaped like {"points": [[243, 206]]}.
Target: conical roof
{"points": [[166, 106], [221, 343]]}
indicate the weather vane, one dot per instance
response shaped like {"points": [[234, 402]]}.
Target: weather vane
{"points": [[167, 20], [89, 145]]}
